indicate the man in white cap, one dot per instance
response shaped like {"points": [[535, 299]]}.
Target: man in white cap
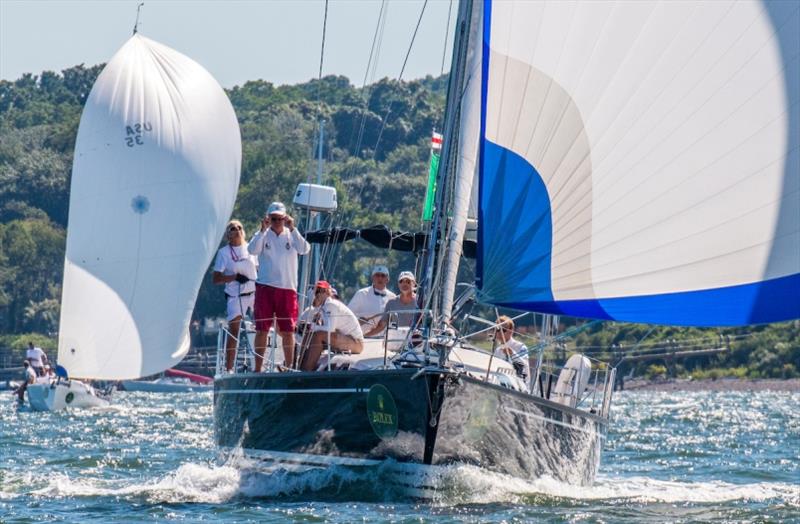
{"points": [[368, 303], [407, 300], [277, 245]]}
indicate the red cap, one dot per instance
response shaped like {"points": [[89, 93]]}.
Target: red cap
{"points": [[322, 284]]}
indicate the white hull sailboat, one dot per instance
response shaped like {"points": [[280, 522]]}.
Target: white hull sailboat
{"points": [[154, 178], [58, 395]]}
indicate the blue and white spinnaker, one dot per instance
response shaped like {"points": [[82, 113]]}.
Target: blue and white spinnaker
{"points": [[639, 160]]}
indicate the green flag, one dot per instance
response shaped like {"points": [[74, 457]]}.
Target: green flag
{"points": [[427, 211]]}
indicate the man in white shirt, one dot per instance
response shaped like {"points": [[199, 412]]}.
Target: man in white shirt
{"points": [[330, 321], [35, 355], [277, 245], [368, 303]]}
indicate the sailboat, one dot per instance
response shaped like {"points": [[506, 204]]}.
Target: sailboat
{"points": [[634, 162], [154, 180]]}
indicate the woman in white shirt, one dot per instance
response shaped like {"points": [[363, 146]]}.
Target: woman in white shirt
{"points": [[510, 348], [236, 269]]}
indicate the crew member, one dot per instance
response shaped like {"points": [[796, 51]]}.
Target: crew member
{"points": [[369, 303], [35, 355], [235, 267], [330, 321], [277, 245], [510, 348], [407, 300], [28, 377]]}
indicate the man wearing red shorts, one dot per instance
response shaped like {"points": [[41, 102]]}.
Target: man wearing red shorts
{"points": [[277, 246]]}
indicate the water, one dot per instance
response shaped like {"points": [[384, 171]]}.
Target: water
{"points": [[681, 457]]}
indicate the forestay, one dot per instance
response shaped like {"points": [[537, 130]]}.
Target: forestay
{"points": [[155, 175], [639, 160]]}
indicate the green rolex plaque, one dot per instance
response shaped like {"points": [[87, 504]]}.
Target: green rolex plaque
{"points": [[382, 411]]}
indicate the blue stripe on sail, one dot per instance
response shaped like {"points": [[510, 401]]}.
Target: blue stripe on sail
{"points": [[514, 216], [757, 303], [517, 229]]}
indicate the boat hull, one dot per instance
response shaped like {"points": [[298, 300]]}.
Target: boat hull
{"points": [[407, 417], [61, 395]]}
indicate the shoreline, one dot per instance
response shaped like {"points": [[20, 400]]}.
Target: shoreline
{"points": [[720, 384]]}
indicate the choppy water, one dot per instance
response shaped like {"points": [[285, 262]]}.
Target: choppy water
{"points": [[682, 457]]}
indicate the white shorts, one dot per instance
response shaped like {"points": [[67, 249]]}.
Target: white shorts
{"points": [[238, 306]]}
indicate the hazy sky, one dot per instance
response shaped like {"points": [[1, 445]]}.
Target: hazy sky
{"points": [[236, 40]]}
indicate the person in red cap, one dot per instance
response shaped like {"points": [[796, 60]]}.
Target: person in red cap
{"points": [[277, 245], [330, 321]]}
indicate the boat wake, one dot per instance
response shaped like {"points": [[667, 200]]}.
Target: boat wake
{"points": [[215, 484]]}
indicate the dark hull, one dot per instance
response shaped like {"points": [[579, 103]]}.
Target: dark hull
{"points": [[437, 419]]}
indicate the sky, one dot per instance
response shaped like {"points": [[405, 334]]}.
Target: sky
{"points": [[237, 40]]}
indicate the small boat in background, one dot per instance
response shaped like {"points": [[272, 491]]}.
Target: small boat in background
{"points": [[173, 381], [60, 392]]}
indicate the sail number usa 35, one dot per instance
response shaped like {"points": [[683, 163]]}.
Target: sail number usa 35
{"points": [[134, 133]]}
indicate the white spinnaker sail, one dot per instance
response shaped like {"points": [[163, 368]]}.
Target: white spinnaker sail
{"points": [[154, 179]]}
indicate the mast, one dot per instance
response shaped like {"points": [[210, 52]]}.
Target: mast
{"points": [[466, 157], [431, 275]]}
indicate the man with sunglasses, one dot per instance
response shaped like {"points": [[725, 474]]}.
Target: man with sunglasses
{"points": [[277, 244], [368, 303], [407, 300], [329, 322]]}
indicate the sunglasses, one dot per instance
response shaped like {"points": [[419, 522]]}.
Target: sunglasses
{"points": [[408, 280], [381, 275], [276, 219], [235, 228]]}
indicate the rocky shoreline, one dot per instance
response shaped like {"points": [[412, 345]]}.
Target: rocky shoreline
{"points": [[721, 384]]}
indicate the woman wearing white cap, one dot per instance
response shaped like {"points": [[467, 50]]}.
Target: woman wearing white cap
{"points": [[407, 300], [369, 303], [236, 268], [277, 246]]}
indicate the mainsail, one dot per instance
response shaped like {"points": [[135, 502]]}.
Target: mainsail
{"points": [[639, 160], [154, 179]]}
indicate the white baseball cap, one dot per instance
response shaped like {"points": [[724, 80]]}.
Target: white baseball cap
{"points": [[406, 274], [276, 208], [383, 270]]}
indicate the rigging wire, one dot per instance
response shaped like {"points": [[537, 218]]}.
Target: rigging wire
{"points": [[372, 61], [385, 118], [446, 37], [399, 78], [369, 73], [322, 56], [319, 90]]}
